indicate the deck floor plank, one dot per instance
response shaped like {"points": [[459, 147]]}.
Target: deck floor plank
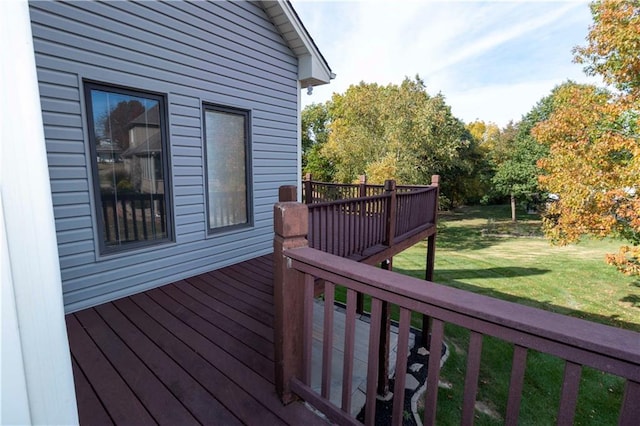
{"points": [[257, 362], [204, 345], [230, 285], [158, 401], [119, 400], [179, 341], [258, 343], [201, 403], [245, 284], [89, 405], [194, 288]]}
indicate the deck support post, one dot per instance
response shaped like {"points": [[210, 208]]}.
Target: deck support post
{"points": [[362, 192], [308, 189], [390, 188], [290, 222], [431, 260], [383, 353]]}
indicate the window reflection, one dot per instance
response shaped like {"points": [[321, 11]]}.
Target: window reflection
{"points": [[130, 164]]}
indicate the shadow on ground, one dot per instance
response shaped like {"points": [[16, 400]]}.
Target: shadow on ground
{"points": [[612, 320]]}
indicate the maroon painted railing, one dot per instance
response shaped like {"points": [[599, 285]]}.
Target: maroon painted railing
{"points": [[297, 267], [349, 228], [322, 192], [360, 226]]}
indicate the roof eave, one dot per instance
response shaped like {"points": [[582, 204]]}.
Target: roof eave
{"points": [[313, 69]]}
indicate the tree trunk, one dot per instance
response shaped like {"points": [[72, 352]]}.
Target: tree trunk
{"points": [[513, 208]]}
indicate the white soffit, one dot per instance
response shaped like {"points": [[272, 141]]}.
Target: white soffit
{"points": [[313, 69]]}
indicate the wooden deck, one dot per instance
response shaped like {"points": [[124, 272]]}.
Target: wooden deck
{"points": [[197, 351]]}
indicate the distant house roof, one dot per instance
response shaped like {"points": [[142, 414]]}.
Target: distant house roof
{"points": [[313, 69], [149, 118], [150, 147]]}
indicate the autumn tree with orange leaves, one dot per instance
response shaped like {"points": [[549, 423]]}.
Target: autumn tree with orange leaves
{"points": [[593, 137]]}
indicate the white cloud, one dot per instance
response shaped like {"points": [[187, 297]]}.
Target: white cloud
{"points": [[508, 53]]}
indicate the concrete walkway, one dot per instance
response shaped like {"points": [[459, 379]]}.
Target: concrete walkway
{"points": [[359, 379]]}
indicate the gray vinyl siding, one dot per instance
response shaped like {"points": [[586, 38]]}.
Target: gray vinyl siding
{"points": [[226, 53]]}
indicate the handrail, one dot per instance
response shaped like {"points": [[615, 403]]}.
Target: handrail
{"points": [[298, 268], [359, 227], [578, 342]]}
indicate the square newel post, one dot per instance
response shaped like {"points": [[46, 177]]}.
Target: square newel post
{"points": [[431, 258], [390, 188], [290, 221], [362, 192], [308, 189], [362, 189], [287, 193]]}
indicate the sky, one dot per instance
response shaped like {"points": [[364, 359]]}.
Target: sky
{"points": [[492, 60]]}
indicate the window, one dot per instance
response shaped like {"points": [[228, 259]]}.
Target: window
{"points": [[227, 162], [128, 139]]}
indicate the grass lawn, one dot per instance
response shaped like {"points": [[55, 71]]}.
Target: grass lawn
{"points": [[476, 252]]}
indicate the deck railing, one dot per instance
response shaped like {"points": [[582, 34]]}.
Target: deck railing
{"points": [[297, 267], [358, 221], [133, 216]]}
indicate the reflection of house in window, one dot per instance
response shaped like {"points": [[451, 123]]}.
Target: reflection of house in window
{"points": [[108, 151], [143, 158]]}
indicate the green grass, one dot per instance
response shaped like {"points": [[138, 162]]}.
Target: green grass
{"points": [[476, 251]]}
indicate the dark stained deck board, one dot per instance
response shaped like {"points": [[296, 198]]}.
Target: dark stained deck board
{"points": [[261, 270], [89, 405], [236, 278], [256, 342], [159, 401], [231, 285], [196, 287], [171, 375], [120, 401], [224, 293], [257, 362], [184, 353]]}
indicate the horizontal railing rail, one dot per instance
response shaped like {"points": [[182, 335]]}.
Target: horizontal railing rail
{"points": [[578, 342]]}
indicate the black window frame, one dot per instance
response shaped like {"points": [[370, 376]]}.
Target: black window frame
{"points": [[212, 107], [161, 98]]}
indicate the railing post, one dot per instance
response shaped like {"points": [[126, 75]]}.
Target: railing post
{"points": [[290, 221], [308, 189], [362, 192], [390, 188], [287, 193], [431, 258], [383, 352]]}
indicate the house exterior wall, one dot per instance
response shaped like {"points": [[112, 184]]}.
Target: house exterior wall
{"points": [[225, 53]]}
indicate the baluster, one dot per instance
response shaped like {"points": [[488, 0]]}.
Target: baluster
{"points": [[135, 220], [471, 378], [569, 394], [307, 327], [516, 383], [630, 410], [401, 367], [372, 361], [349, 339], [327, 341], [433, 372], [123, 204]]}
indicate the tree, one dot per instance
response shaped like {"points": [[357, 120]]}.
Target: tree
{"points": [[399, 132], [594, 139], [117, 122], [516, 171], [315, 133]]}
